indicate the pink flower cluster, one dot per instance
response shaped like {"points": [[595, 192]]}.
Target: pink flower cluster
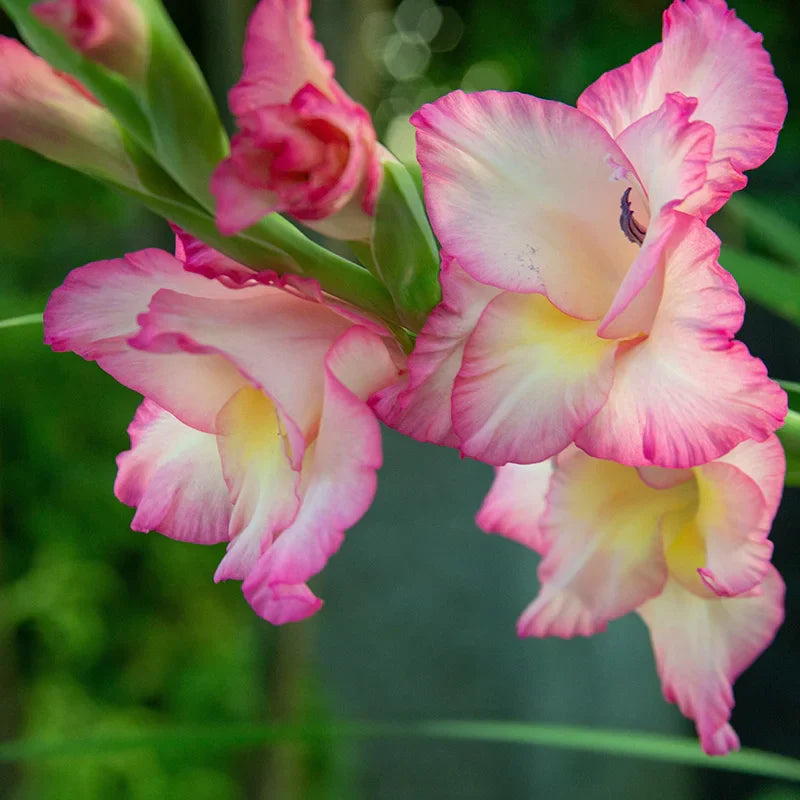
{"points": [[584, 344], [585, 347]]}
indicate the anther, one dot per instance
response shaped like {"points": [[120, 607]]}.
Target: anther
{"points": [[633, 231]]}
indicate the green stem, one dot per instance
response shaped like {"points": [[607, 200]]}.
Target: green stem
{"points": [[631, 744], [25, 319], [274, 243]]}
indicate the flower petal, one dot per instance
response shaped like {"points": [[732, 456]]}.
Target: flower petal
{"points": [[516, 502], [115, 35], [280, 56], [531, 377], [280, 603], [339, 471], [420, 406], [94, 313], [238, 204], [312, 158], [263, 486], [730, 516], [277, 340], [709, 54], [702, 645], [660, 410], [605, 554], [765, 463], [669, 153], [200, 258], [520, 191], [172, 475]]}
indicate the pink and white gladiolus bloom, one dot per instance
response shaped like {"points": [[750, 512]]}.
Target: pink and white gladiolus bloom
{"points": [[582, 298], [112, 33], [686, 549], [254, 428], [52, 113], [304, 147]]}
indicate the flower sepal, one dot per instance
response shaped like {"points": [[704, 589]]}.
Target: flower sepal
{"points": [[402, 251]]}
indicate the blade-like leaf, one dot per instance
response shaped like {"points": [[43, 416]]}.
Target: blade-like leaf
{"points": [[630, 744], [765, 281], [25, 319], [792, 389], [775, 233], [188, 134]]}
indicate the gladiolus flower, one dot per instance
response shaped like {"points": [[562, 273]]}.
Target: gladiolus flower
{"points": [[583, 301], [51, 113], [687, 549], [112, 33], [304, 147], [254, 430]]}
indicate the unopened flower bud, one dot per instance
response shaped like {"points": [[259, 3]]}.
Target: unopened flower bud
{"points": [[112, 33], [51, 113], [304, 147]]}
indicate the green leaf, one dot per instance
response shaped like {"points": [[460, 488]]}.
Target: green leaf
{"points": [[188, 135], [25, 319], [403, 251], [789, 435], [792, 389], [765, 281], [774, 232], [630, 744]]}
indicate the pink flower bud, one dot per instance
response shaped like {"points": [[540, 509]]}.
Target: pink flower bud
{"points": [[304, 146], [111, 32], [50, 112]]}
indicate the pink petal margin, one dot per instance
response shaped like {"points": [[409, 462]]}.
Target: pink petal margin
{"points": [[522, 192], [709, 54], [516, 502], [659, 410], [419, 405], [702, 645], [172, 476], [341, 480], [280, 56]]}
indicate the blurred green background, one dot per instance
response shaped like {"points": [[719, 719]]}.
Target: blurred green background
{"points": [[104, 631]]}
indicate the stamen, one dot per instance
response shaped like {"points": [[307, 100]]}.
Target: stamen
{"points": [[633, 231]]}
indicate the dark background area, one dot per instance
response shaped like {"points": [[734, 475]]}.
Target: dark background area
{"points": [[104, 631]]}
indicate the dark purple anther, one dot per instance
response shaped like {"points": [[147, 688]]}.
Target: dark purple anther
{"points": [[633, 231]]}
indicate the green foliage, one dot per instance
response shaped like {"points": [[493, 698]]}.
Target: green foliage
{"points": [[187, 131], [103, 631], [789, 434], [764, 280], [403, 252], [769, 270], [626, 744]]}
